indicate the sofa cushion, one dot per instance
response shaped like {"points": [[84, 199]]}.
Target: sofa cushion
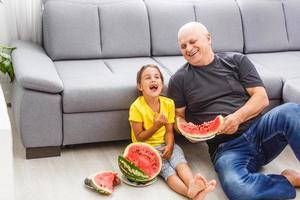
{"points": [[129, 67], [170, 63], [271, 80], [292, 10], [218, 15], [165, 25], [71, 30], [124, 29], [285, 64], [222, 19], [264, 25], [100, 85], [291, 91], [75, 30]]}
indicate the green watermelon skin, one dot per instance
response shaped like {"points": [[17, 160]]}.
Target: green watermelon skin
{"points": [[131, 171], [202, 131]]}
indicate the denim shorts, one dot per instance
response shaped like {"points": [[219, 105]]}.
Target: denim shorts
{"points": [[169, 166]]}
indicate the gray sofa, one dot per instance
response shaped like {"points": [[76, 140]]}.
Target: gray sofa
{"points": [[78, 86]]}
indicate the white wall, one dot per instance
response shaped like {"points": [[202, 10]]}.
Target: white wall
{"points": [[6, 154], [20, 19], [4, 37]]}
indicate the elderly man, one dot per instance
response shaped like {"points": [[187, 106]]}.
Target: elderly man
{"points": [[212, 84]]}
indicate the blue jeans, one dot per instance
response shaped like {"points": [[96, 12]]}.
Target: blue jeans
{"points": [[238, 161]]}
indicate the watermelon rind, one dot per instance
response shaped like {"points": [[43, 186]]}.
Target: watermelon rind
{"points": [[89, 182], [200, 136], [131, 171], [193, 139]]}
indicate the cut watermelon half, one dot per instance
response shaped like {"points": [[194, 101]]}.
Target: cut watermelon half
{"points": [[203, 131], [140, 162]]}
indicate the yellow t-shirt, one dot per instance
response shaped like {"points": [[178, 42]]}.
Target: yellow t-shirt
{"points": [[140, 111]]}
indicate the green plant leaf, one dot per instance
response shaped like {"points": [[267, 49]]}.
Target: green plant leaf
{"points": [[11, 75], [2, 68], [6, 65], [5, 55], [7, 47]]}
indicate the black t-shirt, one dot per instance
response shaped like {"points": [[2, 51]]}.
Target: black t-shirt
{"points": [[218, 88]]}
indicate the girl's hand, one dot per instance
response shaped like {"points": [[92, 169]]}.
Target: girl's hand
{"points": [[159, 120], [167, 151]]}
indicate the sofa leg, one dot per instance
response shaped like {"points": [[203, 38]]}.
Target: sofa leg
{"points": [[40, 152]]}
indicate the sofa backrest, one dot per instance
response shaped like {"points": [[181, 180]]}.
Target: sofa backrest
{"points": [[136, 28], [270, 26], [75, 30], [165, 19], [222, 19], [292, 15]]}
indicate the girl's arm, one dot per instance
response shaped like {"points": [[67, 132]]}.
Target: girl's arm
{"points": [[141, 134], [169, 140]]}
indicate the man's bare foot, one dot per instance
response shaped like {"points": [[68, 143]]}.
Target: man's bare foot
{"points": [[210, 187], [292, 176], [196, 185]]}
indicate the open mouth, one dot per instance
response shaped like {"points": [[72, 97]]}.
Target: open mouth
{"points": [[153, 88], [193, 52]]}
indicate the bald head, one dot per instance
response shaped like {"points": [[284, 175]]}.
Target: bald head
{"points": [[195, 44], [192, 27]]}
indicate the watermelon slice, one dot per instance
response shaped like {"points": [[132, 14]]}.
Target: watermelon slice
{"points": [[103, 182], [203, 131]]}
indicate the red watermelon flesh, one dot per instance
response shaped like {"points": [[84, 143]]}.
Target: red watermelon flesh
{"points": [[204, 130], [106, 180], [144, 157]]}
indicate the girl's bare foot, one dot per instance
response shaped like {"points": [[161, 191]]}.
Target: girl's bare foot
{"points": [[196, 185], [210, 187], [292, 176]]}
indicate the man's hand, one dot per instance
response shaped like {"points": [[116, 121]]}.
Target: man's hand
{"points": [[231, 124], [159, 120], [167, 151]]}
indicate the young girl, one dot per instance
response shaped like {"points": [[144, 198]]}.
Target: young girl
{"points": [[151, 118]]}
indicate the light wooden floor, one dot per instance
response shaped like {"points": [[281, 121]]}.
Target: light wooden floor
{"points": [[61, 178]]}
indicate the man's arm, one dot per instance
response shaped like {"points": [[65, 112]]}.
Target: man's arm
{"points": [[257, 102]]}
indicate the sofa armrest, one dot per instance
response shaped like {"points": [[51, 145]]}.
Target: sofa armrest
{"points": [[34, 69]]}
